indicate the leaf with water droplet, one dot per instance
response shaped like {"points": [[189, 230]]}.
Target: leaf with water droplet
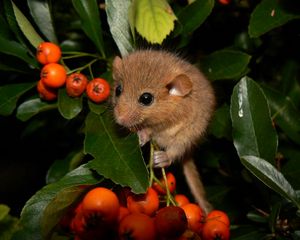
{"points": [[253, 132]]}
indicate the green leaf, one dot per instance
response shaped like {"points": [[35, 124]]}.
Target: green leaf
{"points": [[17, 50], [290, 167], [225, 64], [56, 208], [8, 226], [41, 13], [57, 170], [68, 107], [294, 93], [274, 216], [247, 232], [13, 24], [286, 115], [193, 15], [97, 108], [153, 19], [255, 217], [4, 210], [216, 194], [221, 124], [47, 205], [8, 223], [117, 157], [117, 17], [253, 133], [29, 108], [9, 95], [271, 177], [61, 167], [268, 15], [16, 69], [289, 77], [5, 30], [32, 36], [245, 43], [91, 24]]}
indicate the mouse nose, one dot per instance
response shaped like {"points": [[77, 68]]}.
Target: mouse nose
{"points": [[126, 118], [121, 116], [121, 120]]}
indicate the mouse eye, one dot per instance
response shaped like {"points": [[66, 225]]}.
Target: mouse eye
{"points": [[118, 90], [146, 99]]}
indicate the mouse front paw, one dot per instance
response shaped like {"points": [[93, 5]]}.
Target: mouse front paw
{"points": [[144, 137], [161, 159]]}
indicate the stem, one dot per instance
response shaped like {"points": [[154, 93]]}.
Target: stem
{"points": [[91, 72], [81, 54], [166, 186], [88, 65], [64, 64], [277, 113], [152, 176], [169, 197]]}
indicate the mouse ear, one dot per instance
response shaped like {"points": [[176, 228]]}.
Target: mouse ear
{"points": [[180, 86], [117, 63]]}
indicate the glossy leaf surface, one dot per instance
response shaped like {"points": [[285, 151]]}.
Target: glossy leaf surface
{"points": [[270, 14], [117, 17], [251, 121], [38, 209], [270, 176], [194, 14], [225, 64], [285, 113], [116, 156], [29, 108], [9, 95], [28, 30], [41, 13], [69, 107], [91, 24]]}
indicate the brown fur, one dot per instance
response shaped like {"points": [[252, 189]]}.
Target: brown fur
{"points": [[176, 120]]}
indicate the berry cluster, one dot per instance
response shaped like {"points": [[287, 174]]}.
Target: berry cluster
{"points": [[54, 76], [120, 214]]}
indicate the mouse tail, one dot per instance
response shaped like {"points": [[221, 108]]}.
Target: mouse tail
{"points": [[195, 184]]}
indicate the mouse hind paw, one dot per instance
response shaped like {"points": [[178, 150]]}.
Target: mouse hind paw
{"points": [[161, 159]]}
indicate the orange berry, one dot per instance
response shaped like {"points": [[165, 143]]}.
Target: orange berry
{"points": [[98, 90], [181, 200], [218, 215], [147, 203], [224, 2], [76, 84], [123, 213], [195, 217], [48, 52], [171, 183], [45, 92], [137, 226], [215, 230], [53, 75], [103, 203]]}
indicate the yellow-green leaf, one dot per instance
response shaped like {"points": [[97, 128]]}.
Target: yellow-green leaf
{"points": [[153, 19], [4, 210]]}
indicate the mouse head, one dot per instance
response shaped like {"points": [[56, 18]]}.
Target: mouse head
{"points": [[149, 89]]}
